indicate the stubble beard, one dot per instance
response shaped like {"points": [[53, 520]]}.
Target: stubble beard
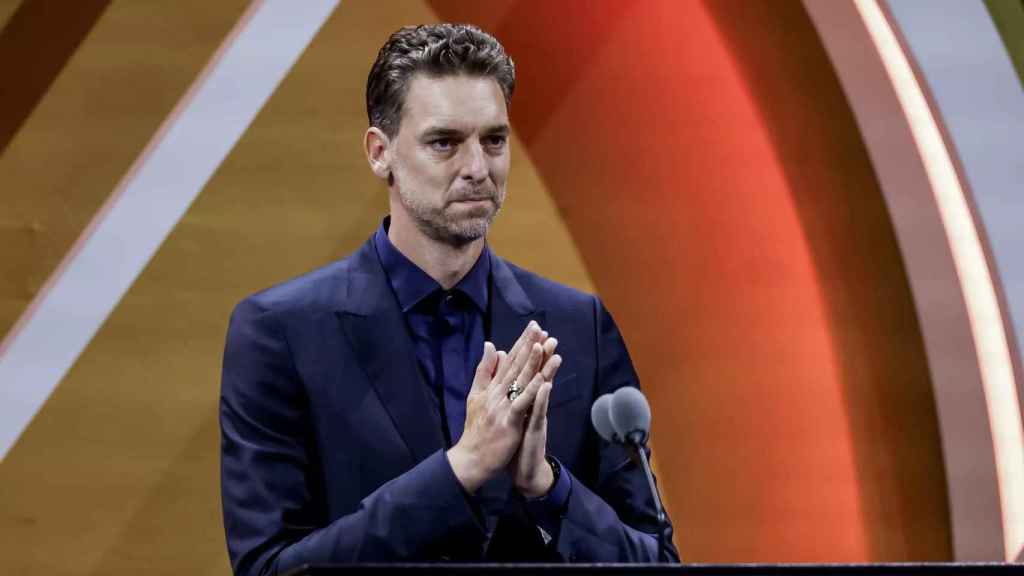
{"points": [[449, 224]]}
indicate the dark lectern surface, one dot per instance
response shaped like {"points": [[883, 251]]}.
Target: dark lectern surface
{"points": [[928, 569]]}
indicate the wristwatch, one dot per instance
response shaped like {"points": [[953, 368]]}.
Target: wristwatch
{"points": [[556, 471]]}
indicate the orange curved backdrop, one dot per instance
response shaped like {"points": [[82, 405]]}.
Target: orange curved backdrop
{"points": [[695, 162], [710, 171]]}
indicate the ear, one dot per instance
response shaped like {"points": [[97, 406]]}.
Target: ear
{"points": [[377, 143]]}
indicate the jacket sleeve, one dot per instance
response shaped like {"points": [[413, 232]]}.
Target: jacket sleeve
{"points": [[614, 518], [273, 517]]}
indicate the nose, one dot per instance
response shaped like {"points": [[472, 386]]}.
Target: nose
{"points": [[474, 162]]}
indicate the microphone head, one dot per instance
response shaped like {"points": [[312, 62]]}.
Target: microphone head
{"points": [[630, 414], [600, 416]]}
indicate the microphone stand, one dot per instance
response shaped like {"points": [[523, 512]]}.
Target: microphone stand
{"points": [[637, 441]]}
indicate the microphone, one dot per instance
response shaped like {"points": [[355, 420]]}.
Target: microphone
{"points": [[600, 416], [624, 417], [630, 415]]}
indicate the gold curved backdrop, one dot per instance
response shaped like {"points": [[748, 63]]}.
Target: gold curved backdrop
{"points": [[705, 166]]}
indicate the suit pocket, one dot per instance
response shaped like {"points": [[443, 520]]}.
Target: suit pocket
{"points": [[563, 391]]}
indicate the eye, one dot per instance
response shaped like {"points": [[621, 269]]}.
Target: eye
{"points": [[442, 144], [496, 140]]}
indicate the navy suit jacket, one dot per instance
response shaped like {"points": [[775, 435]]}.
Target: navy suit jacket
{"points": [[332, 450]]}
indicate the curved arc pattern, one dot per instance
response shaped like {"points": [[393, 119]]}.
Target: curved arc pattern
{"points": [[953, 287], [976, 281], [983, 129]]}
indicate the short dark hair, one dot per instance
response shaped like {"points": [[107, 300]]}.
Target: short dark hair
{"points": [[435, 50]]}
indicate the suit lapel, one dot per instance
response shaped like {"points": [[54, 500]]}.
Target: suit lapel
{"points": [[511, 309], [371, 318]]}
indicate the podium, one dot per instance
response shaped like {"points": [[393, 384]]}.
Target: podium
{"points": [[916, 569]]}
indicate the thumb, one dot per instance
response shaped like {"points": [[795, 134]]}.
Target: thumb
{"points": [[485, 369]]}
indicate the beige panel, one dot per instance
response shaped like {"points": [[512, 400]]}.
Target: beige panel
{"points": [[100, 111], [119, 471], [140, 57], [7, 9]]}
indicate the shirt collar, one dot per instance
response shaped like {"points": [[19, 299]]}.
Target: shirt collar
{"points": [[411, 284]]}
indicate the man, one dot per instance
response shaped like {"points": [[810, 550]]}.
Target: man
{"points": [[407, 403]]}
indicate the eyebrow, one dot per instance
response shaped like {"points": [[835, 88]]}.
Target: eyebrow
{"points": [[498, 129], [442, 132]]}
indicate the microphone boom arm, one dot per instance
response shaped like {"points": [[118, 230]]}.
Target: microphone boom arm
{"points": [[637, 444]]}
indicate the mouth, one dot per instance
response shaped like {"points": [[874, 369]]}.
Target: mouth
{"points": [[473, 201]]}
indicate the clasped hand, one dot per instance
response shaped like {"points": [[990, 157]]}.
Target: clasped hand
{"points": [[509, 434]]}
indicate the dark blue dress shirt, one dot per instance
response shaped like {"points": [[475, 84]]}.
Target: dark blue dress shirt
{"points": [[447, 327], [448, 333]]}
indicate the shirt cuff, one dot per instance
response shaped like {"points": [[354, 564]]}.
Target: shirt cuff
{"points": [[548, 510]]}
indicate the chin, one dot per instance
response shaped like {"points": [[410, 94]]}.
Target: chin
{"points": [[455, 233], [456, 226], [468, 231], [472, 224]]}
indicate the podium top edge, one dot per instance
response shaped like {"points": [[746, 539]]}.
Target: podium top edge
{"points": [[746, 569]]}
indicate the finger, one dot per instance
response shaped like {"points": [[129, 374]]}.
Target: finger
{"points": [[521, 405], [531, 333], [549, 347], [532, 364], [519, 371], [524, 337], [497, 387], [551, 367], [501, 362], [485, 369], [539, 416], [514, 373]]}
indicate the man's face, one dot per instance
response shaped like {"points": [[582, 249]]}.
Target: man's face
{"points": [[450, 158]]}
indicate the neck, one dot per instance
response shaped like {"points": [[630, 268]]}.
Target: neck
{"points": [[444, 263]]}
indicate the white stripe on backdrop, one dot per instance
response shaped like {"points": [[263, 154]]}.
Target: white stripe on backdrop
{"points": [[148, 203]]}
